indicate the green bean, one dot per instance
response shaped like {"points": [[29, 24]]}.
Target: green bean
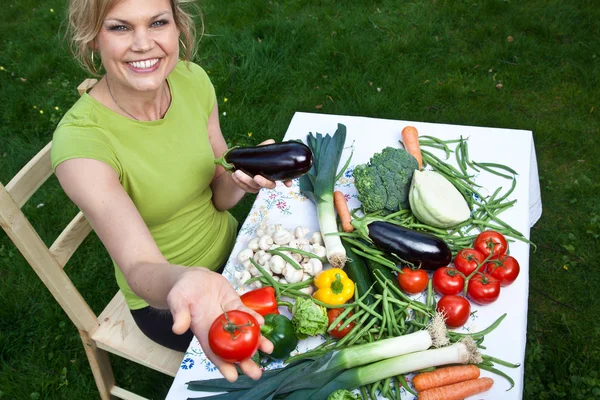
{"points": [[439, 142], [499, 361], [498, 372], [363, 393], [339, 318], [361, 332], [499, 166], [287, 258], [373, 391], [298, 251], [405, 385], [267, 276], [480, 333], [362, 246]]}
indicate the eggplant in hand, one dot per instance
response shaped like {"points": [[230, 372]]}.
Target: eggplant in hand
{"points": [[418, 248], [276, 162]]}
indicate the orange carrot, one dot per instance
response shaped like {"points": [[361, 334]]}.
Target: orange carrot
{"points": [[342, 209], [410, 138], [445, 376], [457, 391]]}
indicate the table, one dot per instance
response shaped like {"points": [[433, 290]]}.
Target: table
{"points": [[288, 207]]}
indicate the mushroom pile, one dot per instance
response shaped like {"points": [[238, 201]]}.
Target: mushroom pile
{"points": [[269, 239]]}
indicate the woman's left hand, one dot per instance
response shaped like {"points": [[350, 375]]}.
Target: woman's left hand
{"points": [[254, 184]]}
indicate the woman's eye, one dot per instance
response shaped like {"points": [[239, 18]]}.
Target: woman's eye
{"points": [[118, 28], [160, 23]]}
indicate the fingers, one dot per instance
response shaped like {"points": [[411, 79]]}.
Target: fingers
{"points": [[250, 368], [265, 345], [268, 141], [252, 185], [181, 317]]}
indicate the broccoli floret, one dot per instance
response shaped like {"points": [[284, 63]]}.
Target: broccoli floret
{"points": [[384, 182]]}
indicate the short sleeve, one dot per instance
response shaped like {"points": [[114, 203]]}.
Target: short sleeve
{"points": [[205, 86], [72, 140]]}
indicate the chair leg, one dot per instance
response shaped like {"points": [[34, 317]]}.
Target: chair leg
{"points": [[100, 364]]}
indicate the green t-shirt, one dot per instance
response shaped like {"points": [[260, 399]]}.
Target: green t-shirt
{"points": [[165, 166]]}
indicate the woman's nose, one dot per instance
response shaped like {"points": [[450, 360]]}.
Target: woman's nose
{"points": [[142, 41]]}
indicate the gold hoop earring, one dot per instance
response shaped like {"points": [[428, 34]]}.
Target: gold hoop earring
{"points": [[183, 45], [94, 68]]}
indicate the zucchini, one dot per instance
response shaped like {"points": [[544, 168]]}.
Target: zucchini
{"points": [[357, 271]]}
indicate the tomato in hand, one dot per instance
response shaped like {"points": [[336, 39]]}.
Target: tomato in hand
{"points": [[467, 260], [483, 289], [456, 310], [413, 281], [505, 270], [332, 315], [234, 336], [448, 281], [491, 242]]}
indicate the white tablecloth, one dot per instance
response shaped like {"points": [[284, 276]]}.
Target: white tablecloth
{"points": [[288, 207]]}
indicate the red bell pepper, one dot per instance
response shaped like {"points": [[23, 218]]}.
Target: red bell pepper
{"points": [[261, 300]]}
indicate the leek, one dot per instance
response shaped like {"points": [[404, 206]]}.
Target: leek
{"points": [[458, 353], [318, 185]]}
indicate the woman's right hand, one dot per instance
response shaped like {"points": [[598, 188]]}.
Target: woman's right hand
{"points": [[197, 298]]}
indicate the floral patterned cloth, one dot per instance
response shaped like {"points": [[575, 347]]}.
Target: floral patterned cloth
{"points": [[366, 136]]}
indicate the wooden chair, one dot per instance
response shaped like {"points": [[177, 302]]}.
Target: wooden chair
{"points": [[114, 330]]}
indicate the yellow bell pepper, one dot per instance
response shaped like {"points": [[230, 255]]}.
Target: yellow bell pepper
{"points": [[333, 287]]}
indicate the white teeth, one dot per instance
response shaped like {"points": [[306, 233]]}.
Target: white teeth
{"points": [[144, 64]]}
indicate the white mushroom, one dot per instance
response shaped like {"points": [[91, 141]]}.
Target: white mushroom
{"points": [[316, 238], [253, 244], [293, 244], [282, 236], [265, 242], [308, 290], [297, 257], [277, 264], [256, 284], [303, 241], [305, 276], [282, 280], [244, 255], [313, 266], [319, 250], [291, 274], [262, 257], [272, 228], [253, 270], [300, 232], [262, 229], [307, 247], [242, 277]]}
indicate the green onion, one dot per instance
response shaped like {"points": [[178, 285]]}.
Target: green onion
{"points": [[318, 185]]}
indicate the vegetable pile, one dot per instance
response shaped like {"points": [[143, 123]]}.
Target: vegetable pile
{"points": [[423, 227]]}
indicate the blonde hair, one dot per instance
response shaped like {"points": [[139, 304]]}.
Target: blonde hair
{"points": [[85, 21]]}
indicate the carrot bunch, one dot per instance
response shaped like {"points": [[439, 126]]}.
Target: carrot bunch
{"points": [[451, 383]]}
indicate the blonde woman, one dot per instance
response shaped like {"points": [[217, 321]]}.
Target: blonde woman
{"points": [[136, 155]]}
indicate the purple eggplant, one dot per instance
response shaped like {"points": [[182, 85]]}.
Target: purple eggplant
{"points": [[418, 248], [276, 162]]}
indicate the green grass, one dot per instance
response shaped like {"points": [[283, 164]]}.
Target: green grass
{"points": [[435, 61]]}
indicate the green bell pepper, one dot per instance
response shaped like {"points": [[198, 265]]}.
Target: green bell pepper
{"points": [[279, 331]]}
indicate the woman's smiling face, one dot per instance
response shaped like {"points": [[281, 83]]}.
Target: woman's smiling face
{"points": [[139, 44]]}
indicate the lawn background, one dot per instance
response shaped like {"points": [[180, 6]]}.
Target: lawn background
{"points": [[433, 61]]}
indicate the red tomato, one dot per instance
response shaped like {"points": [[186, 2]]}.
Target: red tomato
{"points": [[456, 310], [505, 270], [483, 289], [491, 242], [332, 314], [413, 281], [448, 281], [466, 261], [234, 335]]}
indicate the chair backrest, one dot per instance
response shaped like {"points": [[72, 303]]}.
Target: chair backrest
{"points": [[48, 263]]}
